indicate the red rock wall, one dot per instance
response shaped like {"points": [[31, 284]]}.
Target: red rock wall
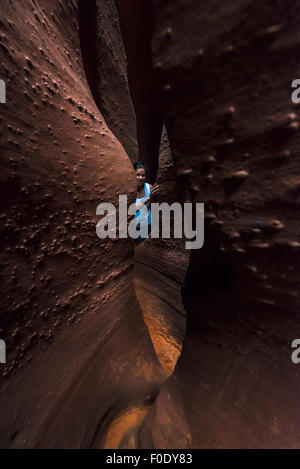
{"points": [[225, 72], [106, 69], [74, 361], [81, 368]]}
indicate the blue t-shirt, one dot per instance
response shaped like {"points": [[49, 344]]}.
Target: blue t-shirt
{"points": [[146, 215]]}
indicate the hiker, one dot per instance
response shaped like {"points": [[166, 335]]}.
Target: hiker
{"points": [[145, 193]]}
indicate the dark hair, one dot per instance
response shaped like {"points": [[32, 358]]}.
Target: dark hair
{"points": [[139, 165]]}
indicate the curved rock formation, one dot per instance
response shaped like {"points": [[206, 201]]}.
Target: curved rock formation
{"points": [[106, 69], [225, 74], [81, 368], [75, 363]]}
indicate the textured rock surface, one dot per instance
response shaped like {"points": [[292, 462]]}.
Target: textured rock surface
{"points": [[106, 69], [82, 371], [74, 361], [225, 73]]}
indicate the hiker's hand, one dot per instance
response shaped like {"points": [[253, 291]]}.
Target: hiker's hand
{"points": [[154, 190]]}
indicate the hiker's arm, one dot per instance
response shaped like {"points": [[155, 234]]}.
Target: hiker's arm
{"points": [[140, 204], [154, 190]]}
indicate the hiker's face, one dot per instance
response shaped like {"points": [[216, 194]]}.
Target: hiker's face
{"points": [[140, 177]]}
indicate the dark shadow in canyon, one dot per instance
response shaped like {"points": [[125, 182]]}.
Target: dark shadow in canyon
{"points": [[137, 22], [105, 67]]}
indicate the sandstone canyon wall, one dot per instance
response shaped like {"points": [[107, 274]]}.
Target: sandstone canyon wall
{"points": [[75, 363], [225, 72], [82, 370]]}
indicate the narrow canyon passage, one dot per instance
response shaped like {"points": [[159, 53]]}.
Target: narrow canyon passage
{"points": [[102, 349], [159, 296]]}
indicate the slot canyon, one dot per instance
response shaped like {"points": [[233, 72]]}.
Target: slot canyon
{"points": [[112, 345]]}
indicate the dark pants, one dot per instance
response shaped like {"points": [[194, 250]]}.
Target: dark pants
{"points": [[139, 239]]}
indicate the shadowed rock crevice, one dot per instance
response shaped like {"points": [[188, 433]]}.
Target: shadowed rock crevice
{"points": [[79, 355], [81, 368], [106, 69], [137, 22]]}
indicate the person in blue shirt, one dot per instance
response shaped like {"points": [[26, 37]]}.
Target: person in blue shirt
{"points": [[145, 193]]}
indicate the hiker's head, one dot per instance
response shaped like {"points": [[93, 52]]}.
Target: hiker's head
{"points": [[140, 170]]}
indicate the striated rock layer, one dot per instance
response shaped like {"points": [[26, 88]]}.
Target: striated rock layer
{"points": [[106, 69], [160, 268]]}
